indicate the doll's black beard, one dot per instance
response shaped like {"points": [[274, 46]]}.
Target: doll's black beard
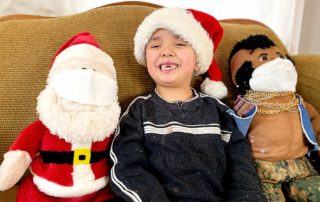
{"points": [[243, 76]]}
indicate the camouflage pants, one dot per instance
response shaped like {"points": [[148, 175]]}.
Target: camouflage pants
{"points": [[289, 180]]}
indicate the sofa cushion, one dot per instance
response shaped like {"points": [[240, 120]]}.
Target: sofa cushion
{"points": [[309, 78], [28, 47], [29, 44]]}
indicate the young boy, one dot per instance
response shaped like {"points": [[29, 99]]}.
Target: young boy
{"points": [[177, 144]]}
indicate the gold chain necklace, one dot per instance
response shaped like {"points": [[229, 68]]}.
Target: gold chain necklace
{"points": [[259, 98]]}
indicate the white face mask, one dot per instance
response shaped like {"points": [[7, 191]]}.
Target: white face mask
{"points": [[85, 87], [278, 75]]}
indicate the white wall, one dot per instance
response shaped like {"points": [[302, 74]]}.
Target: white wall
{"points": [[284, 17], [310, 33], [270, 12]]}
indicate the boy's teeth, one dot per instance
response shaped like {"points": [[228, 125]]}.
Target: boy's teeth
{"points": [[165, 67]]}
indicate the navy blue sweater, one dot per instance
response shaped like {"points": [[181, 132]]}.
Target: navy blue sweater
{"points": [[182, 151]]}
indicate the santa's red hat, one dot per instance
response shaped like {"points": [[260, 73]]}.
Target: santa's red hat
{"points": [[83, 46], [202, 31]]}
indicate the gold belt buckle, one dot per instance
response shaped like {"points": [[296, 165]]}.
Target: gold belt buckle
{"points": [[81, 156]]}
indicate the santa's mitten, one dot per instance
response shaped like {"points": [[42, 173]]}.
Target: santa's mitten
{"points": [[14, 165]]}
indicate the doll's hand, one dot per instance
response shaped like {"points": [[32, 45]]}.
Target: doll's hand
{"points": [[242, 107], [12, 168]]}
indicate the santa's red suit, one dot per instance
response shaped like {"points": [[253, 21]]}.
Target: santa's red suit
{"points": [[62, 169], [67, 148]]}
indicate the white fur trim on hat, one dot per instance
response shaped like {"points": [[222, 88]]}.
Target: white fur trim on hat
{"points": [[216, 89], [86, 52], [182, 23]]}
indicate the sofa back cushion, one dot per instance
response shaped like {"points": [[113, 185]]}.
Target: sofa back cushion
{"points": [[28, 47]]}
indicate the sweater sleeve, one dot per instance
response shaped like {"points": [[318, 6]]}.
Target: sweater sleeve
{"points": [[242, 182], [131, 178]]}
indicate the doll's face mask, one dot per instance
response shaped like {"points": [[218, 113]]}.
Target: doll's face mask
{"points": [[85, 87], [278, 75]]}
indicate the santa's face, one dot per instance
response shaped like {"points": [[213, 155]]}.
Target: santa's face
{"points": [[79, 103], [263, 70], [84, 82]]}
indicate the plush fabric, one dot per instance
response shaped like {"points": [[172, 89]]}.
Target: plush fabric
{"points": [[309, 78], [28, 44]]}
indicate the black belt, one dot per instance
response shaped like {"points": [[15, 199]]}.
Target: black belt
{"points": [[80, 156]]}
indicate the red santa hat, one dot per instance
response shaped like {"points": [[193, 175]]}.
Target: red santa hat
{"points": [[202, 31], [83, 46]]}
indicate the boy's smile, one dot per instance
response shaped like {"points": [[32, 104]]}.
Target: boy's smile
{"points": [[168, 66]]}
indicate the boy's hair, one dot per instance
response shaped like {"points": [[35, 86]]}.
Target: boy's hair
{"points": [[251, 43]]}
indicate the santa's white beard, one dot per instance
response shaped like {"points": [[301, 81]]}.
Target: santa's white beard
{"points": [[76, 123]]}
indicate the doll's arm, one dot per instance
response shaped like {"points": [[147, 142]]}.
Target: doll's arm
{"points": [[20, 154]]}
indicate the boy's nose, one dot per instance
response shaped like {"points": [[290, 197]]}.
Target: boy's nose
{"points": [[167, 51]]}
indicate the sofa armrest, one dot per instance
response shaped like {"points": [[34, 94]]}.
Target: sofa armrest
{"points": [[308, 67]]}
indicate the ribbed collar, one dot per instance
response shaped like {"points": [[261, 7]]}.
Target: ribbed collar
{"points": [[190, 104]]}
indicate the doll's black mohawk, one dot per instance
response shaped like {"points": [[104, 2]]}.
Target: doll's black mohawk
{"points": [[251, 43]]}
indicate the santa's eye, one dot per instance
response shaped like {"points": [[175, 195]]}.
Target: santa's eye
{"points": [[263, 57]]}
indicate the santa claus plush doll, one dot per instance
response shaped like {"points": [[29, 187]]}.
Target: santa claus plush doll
{"points": [[67, 148], [282, 128]]}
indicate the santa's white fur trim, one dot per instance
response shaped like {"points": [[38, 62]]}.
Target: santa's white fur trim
{"points": [[216, 89], [76, 122], [80, 189], [182, 23], [85, 52]]}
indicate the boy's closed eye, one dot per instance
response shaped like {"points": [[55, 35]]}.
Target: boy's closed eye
{"points": [[154, 46], [181, 44]]}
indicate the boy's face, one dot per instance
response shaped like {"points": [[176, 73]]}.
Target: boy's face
{"points": [[171, 61]]}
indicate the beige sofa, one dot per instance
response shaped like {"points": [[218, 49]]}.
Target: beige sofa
{"points": [[28, 44]]}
